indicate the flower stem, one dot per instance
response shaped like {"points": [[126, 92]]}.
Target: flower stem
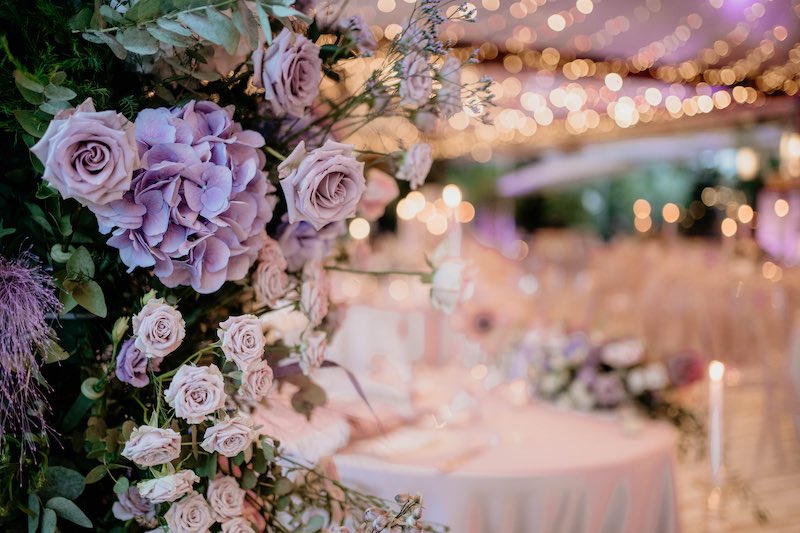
{"points": [[378, 272]]}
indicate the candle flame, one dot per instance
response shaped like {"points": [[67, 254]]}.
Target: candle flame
{"points": [[716, 370]]}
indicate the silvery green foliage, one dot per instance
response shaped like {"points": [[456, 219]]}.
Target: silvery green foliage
{"points": [[169, 27]]}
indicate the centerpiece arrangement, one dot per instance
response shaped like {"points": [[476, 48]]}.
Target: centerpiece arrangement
{"points": [[174, 169]]}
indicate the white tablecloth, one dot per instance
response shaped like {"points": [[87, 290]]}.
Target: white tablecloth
{"points": [[530, 468]]}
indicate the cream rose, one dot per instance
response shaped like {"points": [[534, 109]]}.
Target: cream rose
{"points": [[623, 354], [190, 515], [196, 392], [452, 284], [237, 525], [312, 352], [226, 498], [323, 185], [285, 325], [89, 155], [229, 437], [257, 380], [416, 165], [151, 446], [242, 340], [168, 488], [314, 293], [159, 328]]}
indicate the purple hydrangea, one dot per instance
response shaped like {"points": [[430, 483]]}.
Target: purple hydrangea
{"points": [[608, 390], [301, 243], [132, 365], [197, 208]]}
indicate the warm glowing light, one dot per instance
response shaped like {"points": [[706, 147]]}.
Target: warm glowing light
{"points": [[709, 196], [769, 269], [479, 372], [716, 371], [387, 6], [436, 224], [641, 208], [465, 212], [781, 207], [398, 289], [728, 227], [745, 214], [451, 195], [643, 225], [653, 96], [405, 211], [416, 200], [670, 213], [747, 163], [584, 6], [556, 22], [613, 81], [359, 228]]}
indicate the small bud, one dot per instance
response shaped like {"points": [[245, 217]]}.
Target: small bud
{"points": [[119, 329]]}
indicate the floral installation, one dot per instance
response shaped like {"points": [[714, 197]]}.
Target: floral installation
{"points": [[575, 371], [181, 177]]}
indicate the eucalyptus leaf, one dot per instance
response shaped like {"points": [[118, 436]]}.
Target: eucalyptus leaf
{"points": [[68, 303], [31, 97], [53, 352], [104, 38], [127, 428], [63, 482], [59, 93], [144, 10], [90, 296], [263, 18], [80, 263], [172, 38], [29, 122], [58, 77], [247, 26], [52, 107], [138, 41], [249, 479], [174, 26], [95, 474], [314, 524], [110, 14], [38, 216], [121, 485], [68, 511], [36, 508], [214, 27], [48, 521], [231, 34], [283, 486], [29, 82]]}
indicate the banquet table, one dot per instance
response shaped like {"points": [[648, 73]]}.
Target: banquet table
{"points": [[513, 467]]}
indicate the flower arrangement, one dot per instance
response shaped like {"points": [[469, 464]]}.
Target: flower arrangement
{"points": [[180, 181], [574, 371]]}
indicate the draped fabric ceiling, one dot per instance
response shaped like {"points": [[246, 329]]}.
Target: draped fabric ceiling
{"points": [[569, 72]]}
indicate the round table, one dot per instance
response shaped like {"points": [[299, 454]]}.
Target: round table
{"points": [[526, 468]]}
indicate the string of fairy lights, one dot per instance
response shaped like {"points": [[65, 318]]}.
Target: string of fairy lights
{"points": [[573, 94]]}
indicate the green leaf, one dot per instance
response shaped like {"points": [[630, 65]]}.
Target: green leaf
{"points": [[82, 19], [283, 11], [48, 521], [58, 77], [52, 107], [30, 96], [80, 263], [259, 463], [58, 93], [264, 20], [174, 27], [38, 216], [68, 511], [53, 352], [315, 523], [121, 485], [166, 36], [268, 450], [144, 10], [95, 474], [30, 123], [36, 508], [247, 26], [283, 486], [214, 27], [68, 303], [249, 479], [90, 296], [138, 41], [110, 14], [44, 191], [27, 81], [63, 482], [127, 428], [100, 38]]}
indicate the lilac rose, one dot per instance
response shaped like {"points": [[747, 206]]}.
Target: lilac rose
{"points": [[192, 514], [323, 185], [416, 165], [608, 390], [416, 82], [290, 71], [88, 155], [301, 243], [131, 505], [132, 365]]}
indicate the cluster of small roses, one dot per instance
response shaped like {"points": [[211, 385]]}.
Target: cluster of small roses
{"points": [[197, 395]]}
